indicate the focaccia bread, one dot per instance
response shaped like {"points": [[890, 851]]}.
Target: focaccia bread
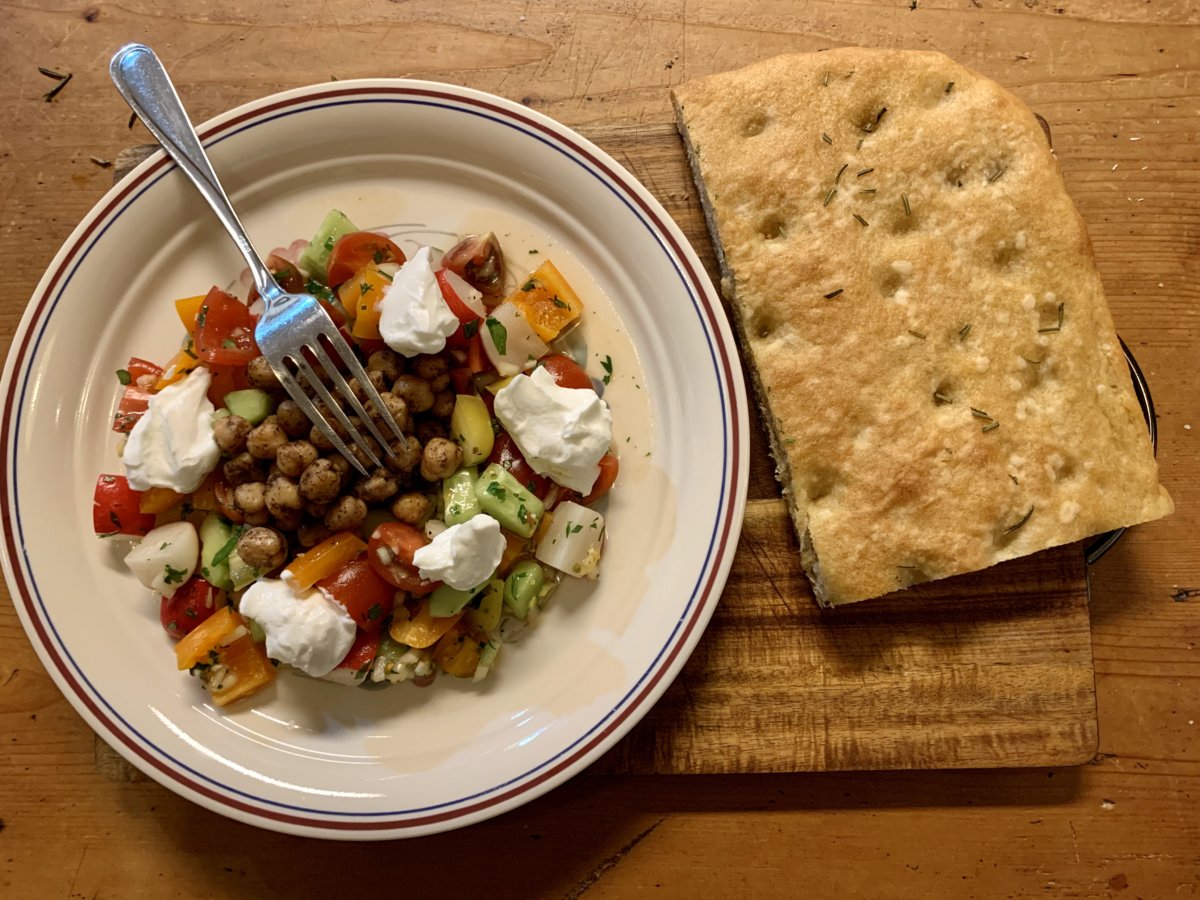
{"points": [[917, 301]]}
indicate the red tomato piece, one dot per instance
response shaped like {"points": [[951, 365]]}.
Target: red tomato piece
{"points": [[287, 276], [506, 452], [468, 320], [194, 602], [115, 508], [460, 377], [609, 466], [362, 652], [367, 597], [357, 249], [141, 368], [390, 552], [225, 379], [477, 360], [225, 330], [134, 402], [567, 373]]}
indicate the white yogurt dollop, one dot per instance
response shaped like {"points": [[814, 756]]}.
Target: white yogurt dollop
{"points": [[309, 631], [413, 316], [562, 432], [172, 445], [463, 556]]}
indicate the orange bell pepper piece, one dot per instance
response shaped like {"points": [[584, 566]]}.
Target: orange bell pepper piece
{"points": [[188, 308], [159, 499], [458, 652], [324, 559], [181, 363], [207, 636], [547, 302], [247, 670], [235, 666]]}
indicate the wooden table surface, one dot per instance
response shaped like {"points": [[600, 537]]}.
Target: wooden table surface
{"points": [[1119, 83]]}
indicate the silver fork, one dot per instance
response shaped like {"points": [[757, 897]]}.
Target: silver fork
{"points": [[292, 324]]}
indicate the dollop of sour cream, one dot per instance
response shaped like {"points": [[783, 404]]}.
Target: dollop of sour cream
{"points": [[413, 316], [563, 432], [172, 444], [464, 555], [310, 630]]}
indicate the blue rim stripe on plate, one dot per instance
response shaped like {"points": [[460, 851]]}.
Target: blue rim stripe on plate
{"points": [[624, 193]]}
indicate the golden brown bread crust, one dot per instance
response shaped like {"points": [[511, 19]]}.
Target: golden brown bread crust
{"points": [[899, 249]]}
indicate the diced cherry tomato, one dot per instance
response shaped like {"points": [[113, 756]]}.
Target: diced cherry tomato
{"points": [[358, 587], [363, 651], [357, 249], [225, 330], [506, 452], [390, 552], [134, 402], [115, 508], [141, 368], [609, 465], [191, 604], [567, 373], [223, 492], [287, 276], [460, 377], [468, 320], [225, 379], [369, 345]]}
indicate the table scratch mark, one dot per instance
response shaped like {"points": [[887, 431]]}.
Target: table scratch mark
{"points": [[597, 873]]}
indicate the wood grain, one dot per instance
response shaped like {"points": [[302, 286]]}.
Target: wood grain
{"points": [[1119, 82]]}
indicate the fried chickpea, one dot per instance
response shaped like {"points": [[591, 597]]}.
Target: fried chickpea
{"points": [[250, 497], [443, 404], [397, 407], [242, 469], [377, 487], [309, 534], [387, 363], [346, 514], [264, 441], [412, 508], [320, 482], [440, 459], [407, 458], [414, 391], [282, 494], [294, 457], [262, 548], [428, 429], [292, 419], [360, 453], [344, 469], [230, 434], [260, 375], [429, 367]]}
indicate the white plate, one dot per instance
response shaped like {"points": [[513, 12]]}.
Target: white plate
{"points": [[318, 759]]}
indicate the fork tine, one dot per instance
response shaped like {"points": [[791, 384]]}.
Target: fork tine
{"points": [[296, 392], [351, 360], [344, 389], [336, 408]]}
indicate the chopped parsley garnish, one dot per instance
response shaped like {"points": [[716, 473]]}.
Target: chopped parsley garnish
{"points": [[529, 285], [228, 547], [172, 575], [365, 288], [229, 344], [378, 256], [499, 334], [559, 303], [329, 242], [202, 316], [574, 528], [606, 365], [374, 612], [522, 513], [123, 376], [471, 329], [496, 491]]}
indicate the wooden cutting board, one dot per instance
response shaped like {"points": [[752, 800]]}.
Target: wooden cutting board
{"points": [[985, 670]]}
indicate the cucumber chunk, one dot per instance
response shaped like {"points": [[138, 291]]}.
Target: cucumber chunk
{"points": [[215, 533], [459, 502], [508, 501], [251, 404], [315, 258], [446, 601], [241, 573], [522, 587]]}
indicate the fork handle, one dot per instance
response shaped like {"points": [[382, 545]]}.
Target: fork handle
{"points": [[143, 82]]}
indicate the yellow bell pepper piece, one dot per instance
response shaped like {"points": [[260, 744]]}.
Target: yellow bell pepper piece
{"points": [[422, 630], [181, 363], [360, 296], [458, 652], [188, 308]]}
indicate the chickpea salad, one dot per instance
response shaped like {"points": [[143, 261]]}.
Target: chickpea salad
{"points": [[269, 549]]}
